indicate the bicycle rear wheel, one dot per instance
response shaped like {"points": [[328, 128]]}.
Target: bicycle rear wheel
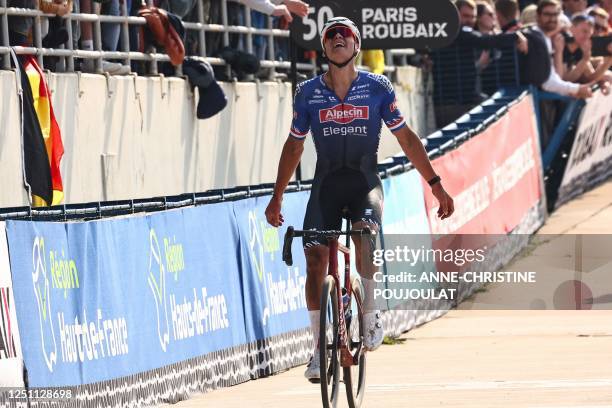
{"points": [[354, 376], [328, 344]]}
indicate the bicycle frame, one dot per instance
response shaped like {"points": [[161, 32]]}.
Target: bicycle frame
{"points": [[347, 358]]}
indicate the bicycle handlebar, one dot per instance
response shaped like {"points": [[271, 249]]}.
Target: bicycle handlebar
{"points": [[292, 233]]}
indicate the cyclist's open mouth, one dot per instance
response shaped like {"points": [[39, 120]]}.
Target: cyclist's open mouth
{"points": [[339, 44]]}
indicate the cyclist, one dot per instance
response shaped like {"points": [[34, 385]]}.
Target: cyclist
{"points": [[343, 110]]}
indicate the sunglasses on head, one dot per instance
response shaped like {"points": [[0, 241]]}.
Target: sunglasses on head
{"points": [[344, 31]]}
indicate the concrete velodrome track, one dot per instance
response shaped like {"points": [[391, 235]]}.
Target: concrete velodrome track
{"points": [[477, 358]]}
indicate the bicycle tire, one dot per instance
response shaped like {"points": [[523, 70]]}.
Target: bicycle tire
{"points": [[355, 376], [328, 345]]}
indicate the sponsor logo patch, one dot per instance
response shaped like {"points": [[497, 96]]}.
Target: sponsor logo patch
{"points": [[343, 114]]}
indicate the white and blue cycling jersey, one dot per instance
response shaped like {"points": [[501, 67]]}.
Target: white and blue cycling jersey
{"points": [[346, 133]]}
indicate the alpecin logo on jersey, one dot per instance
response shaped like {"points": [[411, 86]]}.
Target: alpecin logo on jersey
{"points": [[343, 114]]}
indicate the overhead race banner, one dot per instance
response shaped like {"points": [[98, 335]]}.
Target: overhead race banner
{"points": [[384, 24], [274, 297], [11, 363], [589, 161], [107, 299], [494, 178]]}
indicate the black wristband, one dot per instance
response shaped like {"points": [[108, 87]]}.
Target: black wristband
{"points": [[434, 180]]}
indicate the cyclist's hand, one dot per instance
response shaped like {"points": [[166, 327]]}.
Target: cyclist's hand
{"points": [[273, 212], [447, 206]]}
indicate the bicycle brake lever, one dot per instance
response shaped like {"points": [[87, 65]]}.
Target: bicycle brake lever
{"points": [[287, 257]]}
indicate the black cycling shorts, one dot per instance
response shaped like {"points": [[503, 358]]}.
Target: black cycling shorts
{"points": [[345, 188]]}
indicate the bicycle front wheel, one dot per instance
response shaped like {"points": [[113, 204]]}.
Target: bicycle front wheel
{"points": [[328, 344], [354, 376]]}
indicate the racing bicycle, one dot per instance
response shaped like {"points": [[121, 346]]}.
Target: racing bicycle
{"points": [[341, 325]]}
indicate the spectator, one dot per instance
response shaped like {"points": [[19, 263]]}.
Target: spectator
{"points": [[572, 7], [279, 8], [88, 65], [575, 64], [456, 79], [607, 6], [548, 12], [506, 12], [20, 27], [485, 19], [600, 16], [529, 15], [110, 31]]}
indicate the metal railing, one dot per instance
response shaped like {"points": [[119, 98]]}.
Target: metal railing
{"points": [[459, 80], [68, 54]]}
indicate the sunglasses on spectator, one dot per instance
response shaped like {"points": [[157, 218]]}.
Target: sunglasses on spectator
{"points": [[344, 31], [600, 28], [547, 14]]}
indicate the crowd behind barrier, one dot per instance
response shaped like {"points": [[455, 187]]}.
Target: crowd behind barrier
{"points": [[223, 310]]}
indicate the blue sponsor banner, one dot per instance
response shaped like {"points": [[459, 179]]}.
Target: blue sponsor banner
{"points": [[105, 299], [274, 299], [404, 205], [405, 225]]}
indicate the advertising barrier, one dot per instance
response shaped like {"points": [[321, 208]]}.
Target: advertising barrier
{"points": [[495, 178], [588, 162], [196, 298], [496, 182], [11, 363], [405, 214], [276, 317], [110, 299]]}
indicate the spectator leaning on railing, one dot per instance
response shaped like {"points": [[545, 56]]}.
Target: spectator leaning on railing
{"points": [[575, 63], [20, 27], [278, 8], [548, 24]]}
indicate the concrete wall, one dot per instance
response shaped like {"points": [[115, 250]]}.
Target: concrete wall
{"points": [[137, 137]]}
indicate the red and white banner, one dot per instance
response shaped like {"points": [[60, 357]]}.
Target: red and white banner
{"points": [[11, 360], [494, 178]]}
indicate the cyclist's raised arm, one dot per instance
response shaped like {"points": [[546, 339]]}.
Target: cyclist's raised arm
{"points": [[290, 156]]}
